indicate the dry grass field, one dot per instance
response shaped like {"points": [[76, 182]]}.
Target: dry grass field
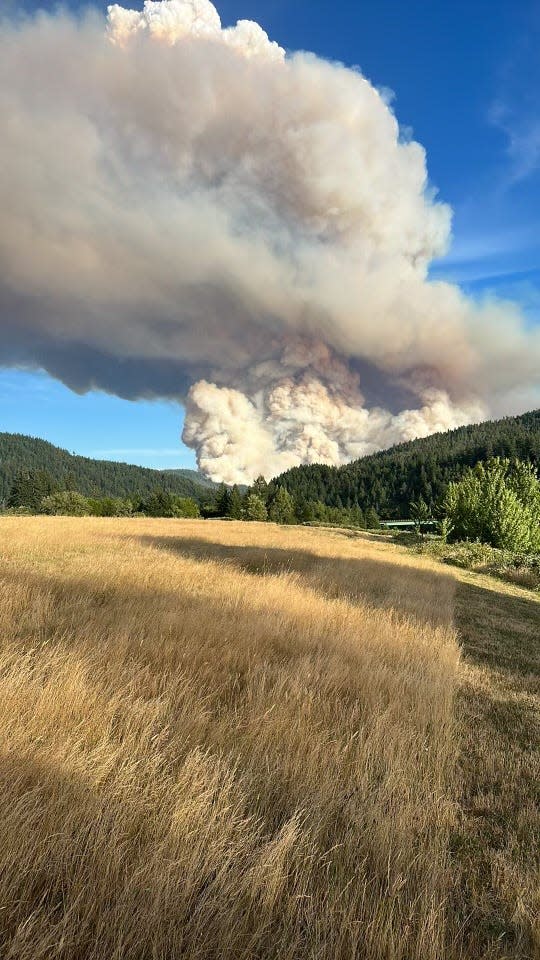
{"points": [[226, 741]]}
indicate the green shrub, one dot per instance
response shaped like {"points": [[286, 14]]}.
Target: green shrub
{"points": [[498, 503], [67, 503]]}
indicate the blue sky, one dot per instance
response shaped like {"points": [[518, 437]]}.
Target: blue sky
{"points": [[466, 77]]}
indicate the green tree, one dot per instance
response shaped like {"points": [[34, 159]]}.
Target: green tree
{"points": [[236, 507], [357, 517], [255, 508], [260, 488], [372, 519], [185, 507], [419, 512], [159, 503], [29, 488], [497, 503], [67, 503], [223, 501], [281, 508]]}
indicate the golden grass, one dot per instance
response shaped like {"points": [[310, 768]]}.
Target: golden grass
{"points": [[222, 741]]}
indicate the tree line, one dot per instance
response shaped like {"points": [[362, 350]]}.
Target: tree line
{"points": [[272, 501], [37, 491], [92, 478], [388, 481]]}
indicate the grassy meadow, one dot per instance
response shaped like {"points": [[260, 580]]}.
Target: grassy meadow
{"points": [[249, 742]]}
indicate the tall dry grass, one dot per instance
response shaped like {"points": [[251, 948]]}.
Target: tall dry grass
{"points": [[222, 741]]}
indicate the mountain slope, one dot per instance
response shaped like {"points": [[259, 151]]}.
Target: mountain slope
{"points": [[389, 480], [91, 477]]}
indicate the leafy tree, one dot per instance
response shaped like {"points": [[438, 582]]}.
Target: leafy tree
{"points": [[357, 517], [67, 503], [497, 503], [281, 508], [186, 507], [255, 508]]}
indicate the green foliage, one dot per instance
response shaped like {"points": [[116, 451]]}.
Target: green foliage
{"points": [[260, 488], [255, 508], [161, 503], [236, 506], [389, 480], [372, 519], [66, 503], [445, 528], [29, 488], [21, 455], [186, 507], [514, 567], [420, 513], [497, 503], [313, 511], [281, 509], [109, 507], [223, 501]]}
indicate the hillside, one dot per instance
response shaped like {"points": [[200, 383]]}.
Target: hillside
{"points": [[389, 480], [91, 477]]}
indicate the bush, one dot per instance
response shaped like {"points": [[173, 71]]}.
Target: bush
{"points": [[67, 503], [110, 507], [186, 507], [498, 503]]}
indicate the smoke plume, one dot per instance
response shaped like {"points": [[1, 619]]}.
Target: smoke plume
{"points": [[188, 212]]}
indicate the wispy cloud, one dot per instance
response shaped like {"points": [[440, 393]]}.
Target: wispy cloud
{"points": [[515, 109], [522, 128]]}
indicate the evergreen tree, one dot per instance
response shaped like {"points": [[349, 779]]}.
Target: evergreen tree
{"points": [[235, 511], [30, 487], [223, 501], [255, 508], [372, 519], [281, 508], [158, 504], [419, 512], [260, 488]]}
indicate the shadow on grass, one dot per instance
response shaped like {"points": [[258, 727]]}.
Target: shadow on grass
{"points": [[495, 847], [372, 581]]}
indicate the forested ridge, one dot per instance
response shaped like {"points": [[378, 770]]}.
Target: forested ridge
{"points": [[389, 480], [94, 478]]}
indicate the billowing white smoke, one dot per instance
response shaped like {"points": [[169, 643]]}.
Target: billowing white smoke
{"points": [[188, 212]]}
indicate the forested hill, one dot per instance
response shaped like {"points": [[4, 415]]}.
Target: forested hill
{"points": [[91, 477], [389, 480]]}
